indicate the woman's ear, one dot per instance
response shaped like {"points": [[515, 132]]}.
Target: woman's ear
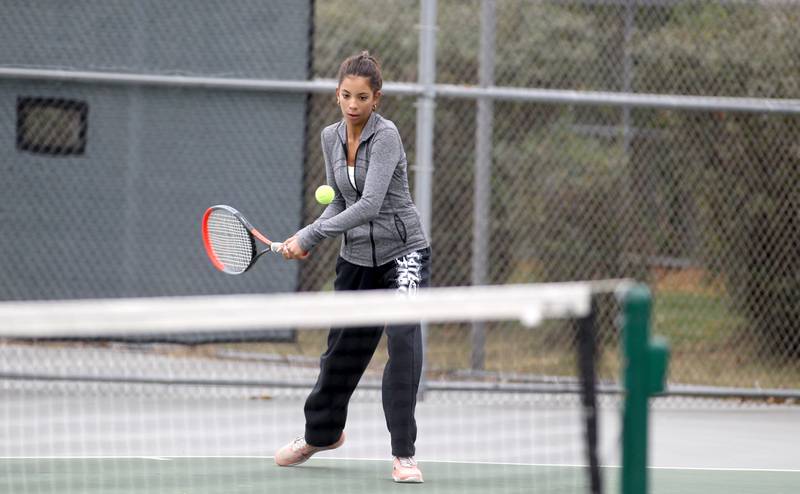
{"points": [[378, 95]]}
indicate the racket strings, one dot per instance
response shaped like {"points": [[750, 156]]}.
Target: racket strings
{"points": [[230, 241]]}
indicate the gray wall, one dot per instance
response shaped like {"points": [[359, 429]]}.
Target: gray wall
{"points": [[243, 38], [124, 218]]}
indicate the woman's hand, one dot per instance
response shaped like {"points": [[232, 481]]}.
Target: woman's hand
{"points": [[292, 250]]}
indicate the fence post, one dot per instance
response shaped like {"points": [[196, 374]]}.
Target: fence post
{"points": [[423, 170], [483, 175]]}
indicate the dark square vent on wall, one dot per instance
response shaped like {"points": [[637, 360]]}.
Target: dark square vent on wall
{"points": [[52, 126]]}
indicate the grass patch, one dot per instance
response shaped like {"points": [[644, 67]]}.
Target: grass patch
{"points": [[709, 341]]}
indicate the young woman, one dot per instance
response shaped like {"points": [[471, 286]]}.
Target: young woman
{"points": [[383, 247]]}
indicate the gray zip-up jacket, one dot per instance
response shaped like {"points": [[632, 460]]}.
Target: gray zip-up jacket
{"points": [[378, 218]]}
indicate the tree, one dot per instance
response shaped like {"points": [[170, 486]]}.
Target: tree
{"points": [[746, 166]]}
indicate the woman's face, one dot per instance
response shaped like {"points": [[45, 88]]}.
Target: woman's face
{"points": [[356, 99]]}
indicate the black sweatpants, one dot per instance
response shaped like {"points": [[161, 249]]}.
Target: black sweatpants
{"points": [[350, 350]]}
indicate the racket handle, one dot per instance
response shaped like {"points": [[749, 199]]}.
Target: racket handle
{"points": [[276, 247]]}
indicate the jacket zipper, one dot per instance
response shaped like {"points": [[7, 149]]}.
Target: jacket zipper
{"points": [[358, 196], [372, 241], [344, 148], [371, 237]]}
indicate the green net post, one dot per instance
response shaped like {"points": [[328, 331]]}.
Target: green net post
{"points": [[644, 375]]}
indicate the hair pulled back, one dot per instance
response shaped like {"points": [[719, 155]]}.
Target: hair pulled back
{"points": [[362, 65]]}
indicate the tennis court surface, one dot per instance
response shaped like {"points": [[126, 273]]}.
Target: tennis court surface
{"points": [[174, 454], [244, 475]]}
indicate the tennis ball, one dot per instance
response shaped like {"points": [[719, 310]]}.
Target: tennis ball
{"points": [[324, 194]]}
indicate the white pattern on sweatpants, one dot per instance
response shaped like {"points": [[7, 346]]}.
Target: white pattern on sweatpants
{"points": [[408, 273]]}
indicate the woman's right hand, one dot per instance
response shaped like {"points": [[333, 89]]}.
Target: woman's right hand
{"points": [[292, 250]]}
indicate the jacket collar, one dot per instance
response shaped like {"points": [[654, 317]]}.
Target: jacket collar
{"points": [[366, 132]]}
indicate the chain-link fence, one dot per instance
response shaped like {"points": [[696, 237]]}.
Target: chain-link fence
{"points": [[699, 200], [701, 204]]}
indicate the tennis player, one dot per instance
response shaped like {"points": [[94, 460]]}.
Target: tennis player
{"points": [[383, 247]]}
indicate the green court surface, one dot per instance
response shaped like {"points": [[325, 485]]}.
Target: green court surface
{"points": [[240, 475]]}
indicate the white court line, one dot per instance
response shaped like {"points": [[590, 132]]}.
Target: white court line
{"points": [[260, 457], [127, 457], [729, 469], [722, 469]]}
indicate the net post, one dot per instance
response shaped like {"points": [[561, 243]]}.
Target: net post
{"points": [[644, 372], [587, 368]]}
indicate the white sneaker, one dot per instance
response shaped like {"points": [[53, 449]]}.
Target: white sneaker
{"points": [[405, 469], [299, 451]]}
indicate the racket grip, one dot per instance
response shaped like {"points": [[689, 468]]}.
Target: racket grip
{"points": [[276, 247]]}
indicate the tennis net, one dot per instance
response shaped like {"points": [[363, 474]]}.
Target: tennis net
{"points": [[97, 396]]}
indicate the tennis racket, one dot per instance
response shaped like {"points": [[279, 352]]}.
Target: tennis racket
{"points": [[230, 240]]}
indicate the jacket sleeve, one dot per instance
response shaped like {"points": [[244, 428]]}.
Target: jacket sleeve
{"points": [[385, 153], [336, 206]]}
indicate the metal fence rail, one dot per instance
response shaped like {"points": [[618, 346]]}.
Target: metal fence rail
{"points": [[395, 88]]}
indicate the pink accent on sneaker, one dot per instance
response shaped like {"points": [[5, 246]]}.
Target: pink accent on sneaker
{"points": [[406, 470], [298, 451]]}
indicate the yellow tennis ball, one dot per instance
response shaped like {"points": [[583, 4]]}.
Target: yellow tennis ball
{"points": [[324, 194]]}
